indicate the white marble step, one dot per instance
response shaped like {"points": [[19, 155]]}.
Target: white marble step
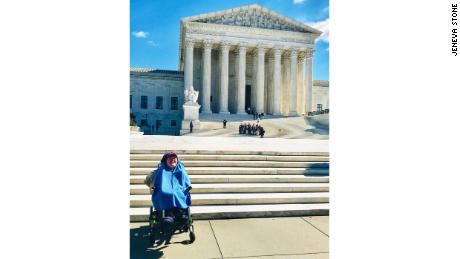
{"points": [[139, 179], [188, 157], [244, 188], [137, 133], [244, 211], [242, 198], [240, 170], [211, 163], [229, 152]]}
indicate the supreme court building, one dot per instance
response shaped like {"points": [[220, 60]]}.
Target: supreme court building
{"points": [[248, 57], [238, 60]]}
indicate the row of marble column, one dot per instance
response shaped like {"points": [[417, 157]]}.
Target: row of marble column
{"points": [[296, 64]]}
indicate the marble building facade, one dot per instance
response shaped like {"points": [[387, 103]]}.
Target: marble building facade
{"points": [[320, 95], [248, 57], [156, 98]]}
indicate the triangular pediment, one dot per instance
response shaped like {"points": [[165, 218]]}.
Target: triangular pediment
{"points": [[254, 16]]}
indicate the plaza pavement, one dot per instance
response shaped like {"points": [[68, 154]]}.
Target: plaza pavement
{"points": [[249, 143], [261, 238], [275, 127]]}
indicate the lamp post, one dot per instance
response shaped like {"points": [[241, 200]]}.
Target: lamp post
{"points": [[146, 120], [151, 126]]}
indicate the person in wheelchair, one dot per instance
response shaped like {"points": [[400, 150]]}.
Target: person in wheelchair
{"points": [[170, 188]]}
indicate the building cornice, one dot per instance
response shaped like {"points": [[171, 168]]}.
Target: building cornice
{"points": [[321, 83], [156, 74], [251, 37]]}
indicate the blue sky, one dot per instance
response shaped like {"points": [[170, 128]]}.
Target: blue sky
{"points": [[155, 28]]}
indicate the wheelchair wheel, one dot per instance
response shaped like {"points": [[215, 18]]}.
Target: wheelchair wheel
{"points": [[192, 234], [152, 238], [155, 232], [192, 237]]}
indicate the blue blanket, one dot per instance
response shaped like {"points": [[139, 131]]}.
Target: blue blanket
{"points": [[170, 186]]}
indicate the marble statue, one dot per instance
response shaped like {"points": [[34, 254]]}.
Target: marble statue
{"points": [[191, 95]]}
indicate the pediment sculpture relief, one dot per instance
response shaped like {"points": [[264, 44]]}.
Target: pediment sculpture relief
{"points": [[253, 18]]}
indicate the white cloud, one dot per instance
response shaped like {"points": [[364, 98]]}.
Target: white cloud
{"points": [[298, 1], [322, 26], [152, 43], [140, 34]]}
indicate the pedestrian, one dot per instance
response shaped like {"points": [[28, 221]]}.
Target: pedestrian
{"points": [[191, 127], [225, 123], [262, 132]]}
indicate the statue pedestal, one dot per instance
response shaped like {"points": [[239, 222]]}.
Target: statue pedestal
{"points": [[191, 114]]}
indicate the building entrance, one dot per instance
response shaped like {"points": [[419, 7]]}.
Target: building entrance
{"points": [[247, 98]]}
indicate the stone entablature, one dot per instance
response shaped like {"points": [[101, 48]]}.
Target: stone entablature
{"points": [[158, 74], [248, 35], [141, 70], [321, 83], [149, 70]]}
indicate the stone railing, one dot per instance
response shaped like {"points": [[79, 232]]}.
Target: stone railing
{"points": [[325, 111]]}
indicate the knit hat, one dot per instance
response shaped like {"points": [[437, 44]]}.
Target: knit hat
{"points": [[168, 155]]}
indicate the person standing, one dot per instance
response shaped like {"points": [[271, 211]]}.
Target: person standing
{"points": [[225, 123], [191, 127]]}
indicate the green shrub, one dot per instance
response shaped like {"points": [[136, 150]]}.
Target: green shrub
{"points": [[132, 122]]}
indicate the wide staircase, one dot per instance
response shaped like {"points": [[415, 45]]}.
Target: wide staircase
{"points": [[241, 184]]}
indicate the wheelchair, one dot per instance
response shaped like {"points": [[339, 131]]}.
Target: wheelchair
{"points": [[162, 228]]}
